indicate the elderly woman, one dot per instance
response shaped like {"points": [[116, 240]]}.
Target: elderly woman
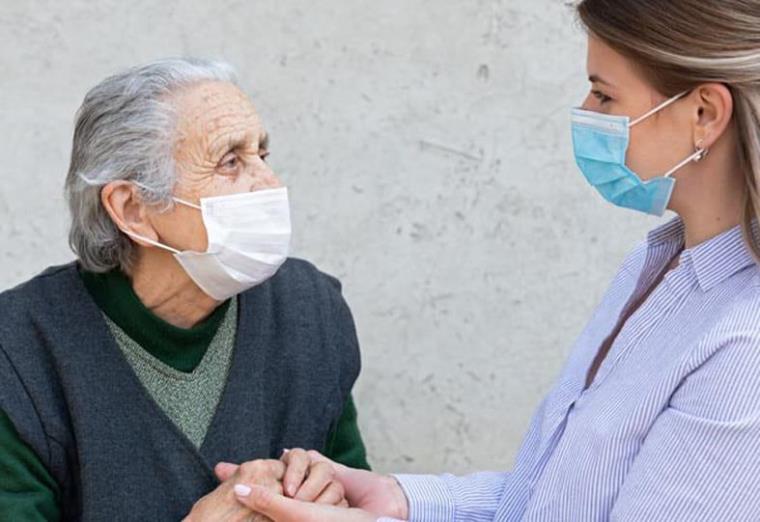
{"points": [[182, 338]]}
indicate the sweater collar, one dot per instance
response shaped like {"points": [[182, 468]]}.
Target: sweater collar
{"points": [[181, 348]]}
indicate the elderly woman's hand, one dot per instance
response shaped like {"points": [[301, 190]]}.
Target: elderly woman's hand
{"points": [[371, 492], [305, 478], [222, 504], [311, 480]]}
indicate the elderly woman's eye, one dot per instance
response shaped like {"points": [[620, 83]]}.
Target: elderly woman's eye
{"points": [[264, 154], [229, 161]]}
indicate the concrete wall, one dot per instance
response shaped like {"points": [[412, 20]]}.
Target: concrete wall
{"points": [[426, 144]]}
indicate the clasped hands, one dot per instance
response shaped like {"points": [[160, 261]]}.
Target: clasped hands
{"points": [[300, 487]]}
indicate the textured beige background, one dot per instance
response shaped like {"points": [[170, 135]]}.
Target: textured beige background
{"points": [[426, 144]]}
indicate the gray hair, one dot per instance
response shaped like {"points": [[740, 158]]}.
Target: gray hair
{"points": [[125, 131]]}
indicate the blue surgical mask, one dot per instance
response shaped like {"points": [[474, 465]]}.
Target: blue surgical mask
{"points": [[600, 142]]}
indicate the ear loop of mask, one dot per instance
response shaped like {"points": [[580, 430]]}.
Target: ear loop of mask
{"points": [[151, 241], [658, 108], [696, 157], [178, 200]]}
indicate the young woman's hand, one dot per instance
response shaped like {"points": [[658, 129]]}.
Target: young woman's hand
{"points": [[279, 508], [303, 479], [378, 494]]}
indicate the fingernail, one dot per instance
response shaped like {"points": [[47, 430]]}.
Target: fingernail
{"points": [[285, 451], [242, 490]]}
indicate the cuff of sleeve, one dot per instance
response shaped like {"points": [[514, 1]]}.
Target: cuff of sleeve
{"points": [[430, 499]]}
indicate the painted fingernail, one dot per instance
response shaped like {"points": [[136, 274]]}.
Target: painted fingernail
{"points": [[242, 490]]}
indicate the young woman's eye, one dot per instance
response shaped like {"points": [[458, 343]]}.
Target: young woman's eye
{"points": [[603, 98], [264, 154]]}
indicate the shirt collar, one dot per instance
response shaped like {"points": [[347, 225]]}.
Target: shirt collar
{"points": [[670, 233], [714, 260]]}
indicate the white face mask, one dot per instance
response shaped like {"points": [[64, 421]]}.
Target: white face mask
{"points": [[248, 241]]}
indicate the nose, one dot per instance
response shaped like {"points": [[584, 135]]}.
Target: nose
{"points": [[263, 177], [588, 102]]}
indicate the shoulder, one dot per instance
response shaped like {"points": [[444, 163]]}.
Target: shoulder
{"points": [[300, 290], [36, 292], [741, 313], [30, 393], [298, 277], [294, 266], [722, 378], [301, 294], [731, 336]]}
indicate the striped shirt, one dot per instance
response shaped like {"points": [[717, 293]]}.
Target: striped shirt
{"points": [[669, 429]]}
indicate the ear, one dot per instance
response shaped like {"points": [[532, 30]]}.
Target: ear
{"points": [[715, 108], [127, 210]]}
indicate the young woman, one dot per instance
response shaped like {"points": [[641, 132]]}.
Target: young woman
{"points": [[656, 415]]}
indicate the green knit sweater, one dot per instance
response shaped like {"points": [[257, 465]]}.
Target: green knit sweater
{"points": [[184, 370]]}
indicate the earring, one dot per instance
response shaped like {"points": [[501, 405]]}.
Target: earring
{"points": [[702, 153]]}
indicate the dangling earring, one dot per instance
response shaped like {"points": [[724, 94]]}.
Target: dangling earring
{"points": [[702, 152]]}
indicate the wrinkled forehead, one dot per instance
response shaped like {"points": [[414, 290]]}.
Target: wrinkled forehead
{"points": [[209, 109]]}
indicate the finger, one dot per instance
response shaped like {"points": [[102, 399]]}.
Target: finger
{"points": [[225, 470], [261, 471], [357, 483], [275, 507], [320, 476], [277, 468], [332, 495], [283, 509], [298, 467], [316, 456], [340, 469], [341, 472]]}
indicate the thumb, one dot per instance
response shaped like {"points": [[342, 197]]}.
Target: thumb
{"points": [[225, 470], [277, 507]]}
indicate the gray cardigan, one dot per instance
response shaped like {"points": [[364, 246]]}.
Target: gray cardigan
{"points": [[75, 400]]}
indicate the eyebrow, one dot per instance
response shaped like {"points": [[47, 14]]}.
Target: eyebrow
{"points": [[238, 142], [231, 143], [595, 78]]}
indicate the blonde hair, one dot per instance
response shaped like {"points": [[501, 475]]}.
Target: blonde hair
{"points": [[680, 44]]}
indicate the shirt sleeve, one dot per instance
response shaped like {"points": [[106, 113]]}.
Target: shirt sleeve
{"points": [[701, 458], [27, 490], [345, 444], [447, 498]]}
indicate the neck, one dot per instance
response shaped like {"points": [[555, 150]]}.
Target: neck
{"points": [[167, 291], [700, 227], [710, 201]]}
